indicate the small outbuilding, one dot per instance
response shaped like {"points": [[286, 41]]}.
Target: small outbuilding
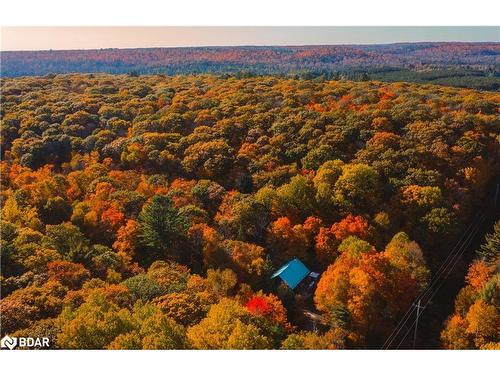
{"points": [[292, 273]]}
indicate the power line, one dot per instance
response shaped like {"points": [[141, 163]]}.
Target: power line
{"points": [[434, 279], [452, 258], [496, 194], [453, 263]]}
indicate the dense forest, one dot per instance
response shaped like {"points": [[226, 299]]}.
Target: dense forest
{"points": [[149, 212], [472, 65]]}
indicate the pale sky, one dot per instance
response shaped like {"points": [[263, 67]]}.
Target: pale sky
{"points": [[44, 38]]}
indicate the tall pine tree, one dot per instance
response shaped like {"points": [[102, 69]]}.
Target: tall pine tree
{"points": [[161, 228], [491, 249]]}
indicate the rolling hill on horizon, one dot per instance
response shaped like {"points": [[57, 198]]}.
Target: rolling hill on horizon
{"points": [[473, 65]]}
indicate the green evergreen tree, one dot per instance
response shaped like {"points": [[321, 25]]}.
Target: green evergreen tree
{"points": [[490, 250], [162, 228]]}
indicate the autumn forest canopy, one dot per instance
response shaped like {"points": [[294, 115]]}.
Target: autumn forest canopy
{"points": [[150, 211]]}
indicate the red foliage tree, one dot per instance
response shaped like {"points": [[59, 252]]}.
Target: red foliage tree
{"points": [[350, 226]]}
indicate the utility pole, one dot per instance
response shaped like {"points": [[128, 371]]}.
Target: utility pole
{"points": [[416, 323]]}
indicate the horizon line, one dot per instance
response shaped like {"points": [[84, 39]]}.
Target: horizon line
{"points": [[251, 45]]}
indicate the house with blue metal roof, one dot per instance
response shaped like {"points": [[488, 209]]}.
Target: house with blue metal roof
{"points": [[292, 273]]}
